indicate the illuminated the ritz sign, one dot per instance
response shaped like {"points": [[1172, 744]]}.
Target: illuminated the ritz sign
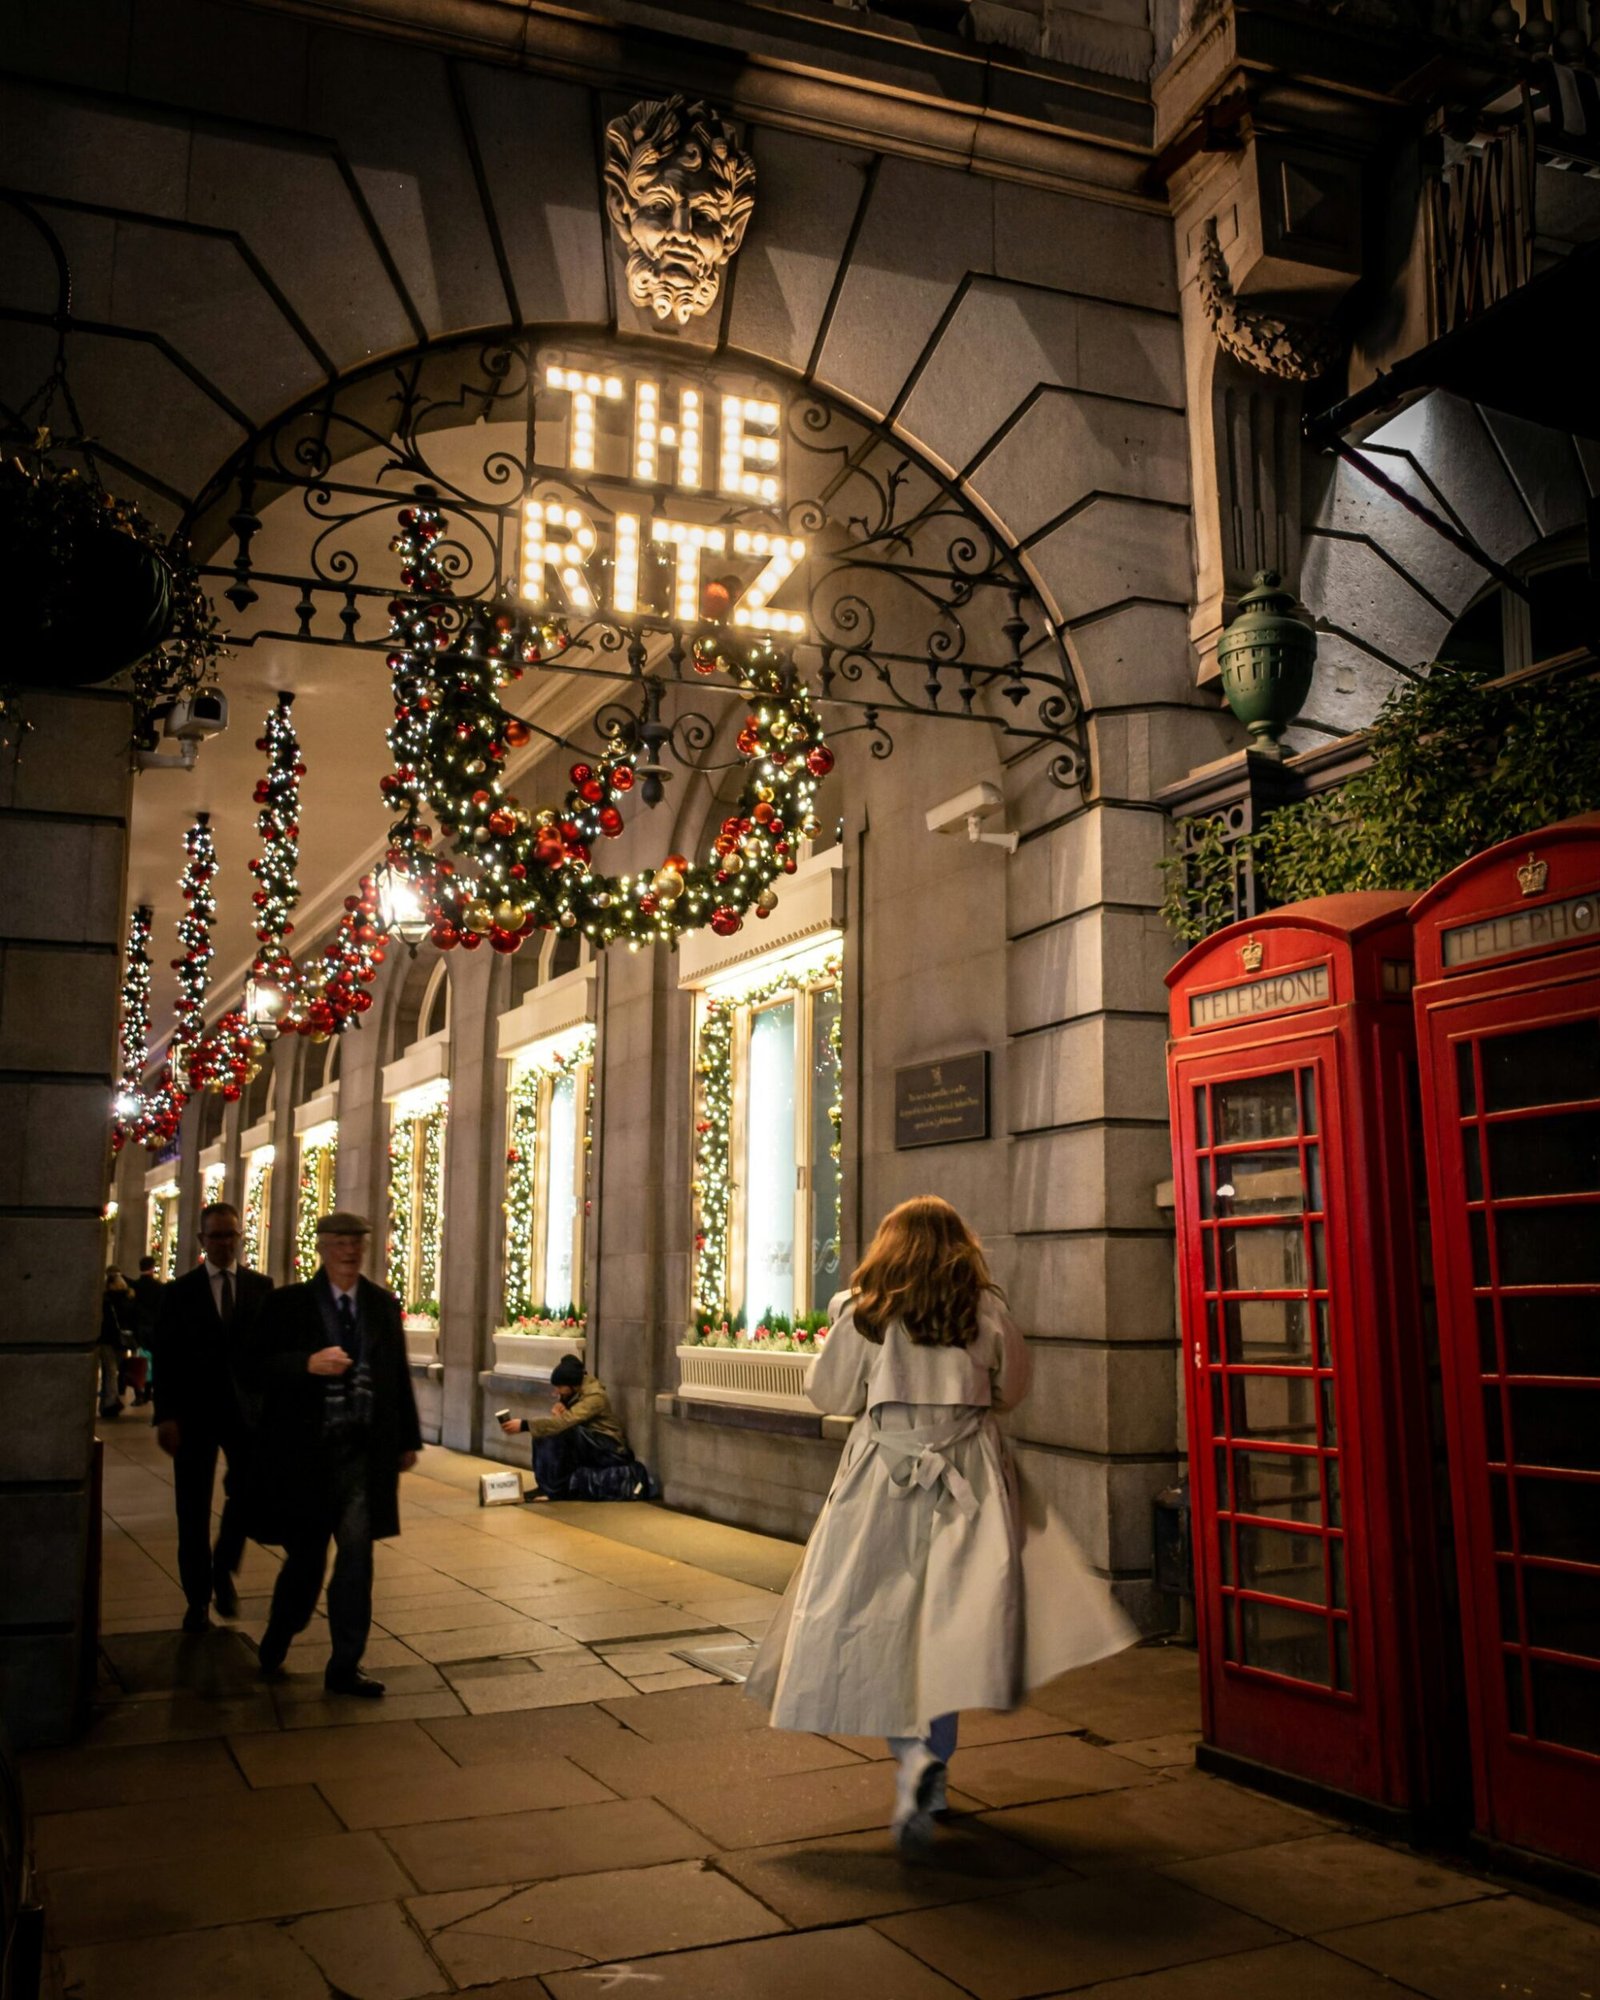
{"points": [[680, 441]]}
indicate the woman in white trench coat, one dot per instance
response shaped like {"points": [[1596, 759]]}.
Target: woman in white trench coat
{"points": [[933, 1581]]}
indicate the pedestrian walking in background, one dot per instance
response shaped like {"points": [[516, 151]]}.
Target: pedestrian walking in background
{"points": [[116, 1325], [338, 1427], [932, 1581], [203, 1324], [581, 1451]]}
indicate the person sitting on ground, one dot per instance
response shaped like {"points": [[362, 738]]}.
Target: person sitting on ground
{"points": [[580, 1451]]}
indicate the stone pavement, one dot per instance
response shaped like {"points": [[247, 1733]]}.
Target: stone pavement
{"points": [[552, 1803]]}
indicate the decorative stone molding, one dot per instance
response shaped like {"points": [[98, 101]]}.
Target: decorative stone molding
{"points": [[680, 191], [1290, 350], [533, 1354]]}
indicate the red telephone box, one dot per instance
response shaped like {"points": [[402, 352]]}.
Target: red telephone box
{"points": [[1291, 1071], [1508, 1020]]}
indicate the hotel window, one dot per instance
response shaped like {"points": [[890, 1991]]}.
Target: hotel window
{"points": [[161, 1232], [417, 1120], [768, 1113], [319, 1161], [256, 1220], [550, 1097]]}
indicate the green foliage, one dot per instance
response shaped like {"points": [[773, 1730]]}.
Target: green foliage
{"points": [[1458, 765]]}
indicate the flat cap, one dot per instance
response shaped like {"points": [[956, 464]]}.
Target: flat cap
{"points": [[343, 1222]]}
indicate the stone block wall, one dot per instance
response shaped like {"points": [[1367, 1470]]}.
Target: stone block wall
{"points": [[64, 795]]}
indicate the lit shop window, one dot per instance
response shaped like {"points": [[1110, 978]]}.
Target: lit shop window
{"points": [[213, 1179], [257, 1207], [547, 1173], [417, 1122], [319, 1160], [768, 1113], [161, 1234]]}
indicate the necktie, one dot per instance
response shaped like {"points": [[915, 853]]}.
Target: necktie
{"points": [[347, 1324], [225, 1305]]}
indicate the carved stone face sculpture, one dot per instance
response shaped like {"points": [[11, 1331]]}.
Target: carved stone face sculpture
{"points": [[680, 189]]}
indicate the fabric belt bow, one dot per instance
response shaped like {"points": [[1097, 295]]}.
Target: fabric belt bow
{"points": [[918, 1463]]}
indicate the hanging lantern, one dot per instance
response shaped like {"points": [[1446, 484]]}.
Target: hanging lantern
{"points": [[263, 1008], [401, 911]]}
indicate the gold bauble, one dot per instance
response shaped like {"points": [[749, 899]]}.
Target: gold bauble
{"points": [[476, 916], [509, 916], [767, 899], [568, 920], [668, 885]]}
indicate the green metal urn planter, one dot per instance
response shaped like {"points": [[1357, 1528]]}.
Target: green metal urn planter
{"points": [[1266, 658]]}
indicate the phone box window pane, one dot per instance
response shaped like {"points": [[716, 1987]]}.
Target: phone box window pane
{"points": [[1201, 1122], [1208, 1254], [1282, 1408], [1263, 1259], [1466, 1079], [1478, 1230], [1552, 1336], [1219, 1427], [1314, 1180], [1563, 1611], [1293, 1643], [1286, 1486], [1330, 1415], [1559, 1065], [1336, 1573], [1308, 1098], [1488, 1354], [1261, 1107], [1281, 1565], [1555, 1155], [1549, 1246], [1268, 1332], [1494, 1430], [1342, 1676], [1220, 1468], [1259, 1183], [1335, 1507], [1516, 1699], [1506, 1589], [1566, 1705], [1324, 1345], [1225, 1549], [1558, 1427], [1500, 1511], [1319, 1257], [1560, 1518], [1472, 1161]]}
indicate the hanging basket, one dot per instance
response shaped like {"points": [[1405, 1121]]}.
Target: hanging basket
{"points": [[95, 599]]}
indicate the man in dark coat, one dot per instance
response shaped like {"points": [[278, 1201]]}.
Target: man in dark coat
{"points": [[338, 1427], [203, 1321]]}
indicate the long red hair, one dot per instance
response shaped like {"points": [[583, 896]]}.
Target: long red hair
{"points": [[926, 1269]]}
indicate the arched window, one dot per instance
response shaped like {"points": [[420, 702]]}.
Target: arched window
{"points": [[435, 1016], [1501, 631]]}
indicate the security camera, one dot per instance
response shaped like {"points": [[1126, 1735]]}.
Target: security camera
{"points": [[197, 716], [966, 812]]}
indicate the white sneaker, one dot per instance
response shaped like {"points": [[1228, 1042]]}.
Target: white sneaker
{"points": [[917, 1782]]}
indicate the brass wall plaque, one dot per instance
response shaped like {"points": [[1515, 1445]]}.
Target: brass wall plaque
{"points": [[937, 1104]]}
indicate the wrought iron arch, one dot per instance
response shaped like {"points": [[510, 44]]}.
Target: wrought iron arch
{"points": [[915, 603]]}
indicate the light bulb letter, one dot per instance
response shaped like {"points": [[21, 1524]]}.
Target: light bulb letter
{"points": [[654, 435], [586, 391], [557, 539], [754, 610], [750, 451], [687, 542]]}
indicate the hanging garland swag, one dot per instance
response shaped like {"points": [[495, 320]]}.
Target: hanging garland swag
{"points": [[534, 869]]}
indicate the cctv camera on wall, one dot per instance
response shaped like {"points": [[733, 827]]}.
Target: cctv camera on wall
{"points": [[966, 813]]}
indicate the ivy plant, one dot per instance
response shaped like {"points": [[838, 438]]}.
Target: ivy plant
{"points": [[1459, 763]]}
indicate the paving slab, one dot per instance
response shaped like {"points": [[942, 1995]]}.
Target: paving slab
{"points": [[260, 1960], [234, 1881], [1328, 1881], [1146, 1691], [1504, 1948], [1278, 1972], [178, 1718], [439, 1911], [527, 1784], [1011, 1946], [796, 1806], [333, 1711], [590, 1627], [628, 1912], [473, 1961], [847, 1878], [394, 1750], [491, 1739], [487, 1641], [677, 1677], [73, 1780], [176, 1829], [368, 1954], [532, 1846], [636, 1768], [1042, 1767], [684, 1715], [1172, 1819], [571, 1687], [798, 1967]]}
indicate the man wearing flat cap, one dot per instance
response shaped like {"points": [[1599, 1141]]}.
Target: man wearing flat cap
{"points": [[338, 1427]]}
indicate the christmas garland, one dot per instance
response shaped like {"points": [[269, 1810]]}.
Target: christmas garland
{"points": [[416, 1196], [194, 934], [135, 1030], [522, 1177], [277, 890], [257, 1186], [713, 1182], [213, 1180], [308, 1203], [534, 870]]}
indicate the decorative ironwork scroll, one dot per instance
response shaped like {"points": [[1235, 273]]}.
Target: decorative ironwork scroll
{"points": [[649, 501]]}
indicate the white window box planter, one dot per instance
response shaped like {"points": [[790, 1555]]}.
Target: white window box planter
{"points": [[422, 1338], [744, 1375], [532, 1353]]}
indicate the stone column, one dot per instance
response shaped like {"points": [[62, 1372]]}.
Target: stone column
{"points": [[64, 797], [189, 1182], [286, 1056], [473, 1177], [361, 1174]]}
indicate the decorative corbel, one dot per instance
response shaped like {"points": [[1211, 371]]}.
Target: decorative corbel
{"points": [[1290, 350]]}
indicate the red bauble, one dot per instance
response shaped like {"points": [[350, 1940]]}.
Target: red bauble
{"points": [[725, 920], [622, 778], [819, 762], [502, 822], [715, 601], [470, 940], [648, 906], [581, 774], [446, 937], [480, 798], [361, 1002], [517, 732], [610, 822], [763, 812], [591, 791], [500, 940]]}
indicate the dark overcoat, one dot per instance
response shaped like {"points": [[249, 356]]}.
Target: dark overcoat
{"points": [[298, 1490], [199, 1363]]}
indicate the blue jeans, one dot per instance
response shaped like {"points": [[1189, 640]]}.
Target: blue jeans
{"points": [[940, 1739]]}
